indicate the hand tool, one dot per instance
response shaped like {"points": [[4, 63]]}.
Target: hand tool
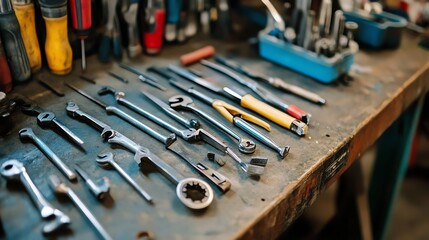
{"points": [[14, 170], [350, 27], [61, 188], [13, 43], [59, 54], [194, 56], [120, 98], [233, 114], [106, 160], [275, 82], [248, 101], [116, 76], [82, 23], [5, 75], [130, 17], [24, 10], [28, 107], [192, 192], [55, 85], [256, 166], [338, 29], [325, 16], [6, 108], [118, 112], [173, 15], [99, 189], [143, 77], [111, 37], [49, 120], [246, 146], [88, 79], [28, 134], [154, 31], [261, 92]]}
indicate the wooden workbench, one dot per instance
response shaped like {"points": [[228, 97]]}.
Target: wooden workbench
{"points": [[354, 118]]}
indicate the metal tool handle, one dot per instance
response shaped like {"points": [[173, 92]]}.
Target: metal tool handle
{"points": [[100, 229], [39, 200], [245, 126], [297, 90], [74, 111], [212, 140], [68, 132], [55, 159], [138, 124], [215, 122], [149, 115]]}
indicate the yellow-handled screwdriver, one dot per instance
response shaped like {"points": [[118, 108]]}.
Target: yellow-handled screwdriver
{"points": [[57, 47], [24, 11]]}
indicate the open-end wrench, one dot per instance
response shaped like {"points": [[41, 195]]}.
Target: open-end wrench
{"points": [[15, 170], [28, 134], [100, 189], [192, 192], [106, 160], [61, 188], [245, 145], [49, 120], [167, 140]]}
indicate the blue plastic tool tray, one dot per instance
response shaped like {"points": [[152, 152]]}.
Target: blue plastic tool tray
{"points": [[377, 30], [299, 59]]}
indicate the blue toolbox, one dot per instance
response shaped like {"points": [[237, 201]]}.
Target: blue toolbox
{"points": [[377, 30]]}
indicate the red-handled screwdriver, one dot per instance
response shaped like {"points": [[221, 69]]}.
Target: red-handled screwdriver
{"points": [[81, 21]]}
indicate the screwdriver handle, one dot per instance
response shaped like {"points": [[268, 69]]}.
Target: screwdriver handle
{"points": [[81, 17], [5, 76], [26, 17], [14, 47], [58, 51]]}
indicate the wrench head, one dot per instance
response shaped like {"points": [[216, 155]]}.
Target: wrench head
{"points": [[180, 101], [194, 193], [103, 188], [26, 134], [104, 159], [12, 169], [247, 146], [71, 108], [106, 90], [45, 119], [59, 220]]}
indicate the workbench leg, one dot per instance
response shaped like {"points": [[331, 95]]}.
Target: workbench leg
{"points": [[390, 166]]}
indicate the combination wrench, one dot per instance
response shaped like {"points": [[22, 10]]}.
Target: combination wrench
{"points": [[49, 120], [14, 170], [28, 134], [192, 192], [107, 160], [61, 188], [100, 189]]}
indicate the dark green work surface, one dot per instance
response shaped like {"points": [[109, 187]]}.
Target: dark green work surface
{"points": [[354, 117]]}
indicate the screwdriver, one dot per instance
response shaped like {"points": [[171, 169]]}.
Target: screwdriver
{"points": [[5, 77], [81, 22], [58, 51], [13, 44], [24, 10]]}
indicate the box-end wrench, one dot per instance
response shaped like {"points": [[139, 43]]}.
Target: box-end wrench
{"points": [[245, 145], [14, 170], [167, 140], [192, 192], [61, 188], [28, 134], [49, 120], [106, 160]]}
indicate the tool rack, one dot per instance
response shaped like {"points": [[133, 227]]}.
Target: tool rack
{"points": [[355, 116]]}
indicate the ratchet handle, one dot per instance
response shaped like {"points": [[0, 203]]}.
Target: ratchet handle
{"points": [[281, 118]]}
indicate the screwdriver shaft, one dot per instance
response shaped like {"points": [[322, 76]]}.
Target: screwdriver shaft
{"points": [[82, 44]]}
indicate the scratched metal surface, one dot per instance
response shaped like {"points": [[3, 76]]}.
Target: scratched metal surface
{"points": [[231, 214]]}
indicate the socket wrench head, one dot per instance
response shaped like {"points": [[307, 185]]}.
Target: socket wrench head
{"points": [[194, 193]]}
